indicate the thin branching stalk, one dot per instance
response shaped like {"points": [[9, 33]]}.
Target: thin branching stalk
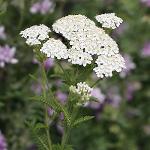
{"points": [[44, 84], [95, 83], [65, 137]]}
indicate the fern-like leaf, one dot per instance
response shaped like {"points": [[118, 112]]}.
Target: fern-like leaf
{"points": [[61, 108], [55, 104], [38, 135], [82, 119]]}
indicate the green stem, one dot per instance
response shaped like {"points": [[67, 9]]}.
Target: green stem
{"points": [[96, 83], [21, 14], [44, 84], [68, 129], [47, 129], [65, 137]]}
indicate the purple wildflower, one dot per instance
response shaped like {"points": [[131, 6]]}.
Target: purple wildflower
{"points": [[60, 128], [3, 144], [59, 125], [62, 97], [61, 116], [146, 50], [113, 96], [7, 55], [130, 90], [100, 97], [43, 7], [2, 33], [49, 63], [58, 83], [130, 65], [36, 88], [35, 8], [50, 111], [146, 2]]}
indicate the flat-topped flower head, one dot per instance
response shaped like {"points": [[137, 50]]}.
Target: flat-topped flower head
{"points": [[34, 35], [83, 90], [109, 20], [108, 64], [71, 25], [54, 48], [94, 42]]}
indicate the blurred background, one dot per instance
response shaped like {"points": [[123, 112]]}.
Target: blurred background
{"points": [[122, 115]]}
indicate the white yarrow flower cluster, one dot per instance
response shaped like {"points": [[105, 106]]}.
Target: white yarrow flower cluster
{"points": [[35, 34], [109, 20], [54, 48], [86, 42], [83, 90]]}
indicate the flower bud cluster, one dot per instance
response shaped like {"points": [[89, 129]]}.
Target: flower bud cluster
{"points": [[83, 90]]}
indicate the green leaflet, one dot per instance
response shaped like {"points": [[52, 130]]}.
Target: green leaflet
{"points": [[55, 76], [83, 74], [82, 119], [69, 77], [40, 99], [33, 77], [40, 126], [57, 106], [61, 108], [38, 135]]}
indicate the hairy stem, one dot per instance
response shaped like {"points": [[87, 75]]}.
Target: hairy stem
{"points": [[44, 85], [68, 129]]}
